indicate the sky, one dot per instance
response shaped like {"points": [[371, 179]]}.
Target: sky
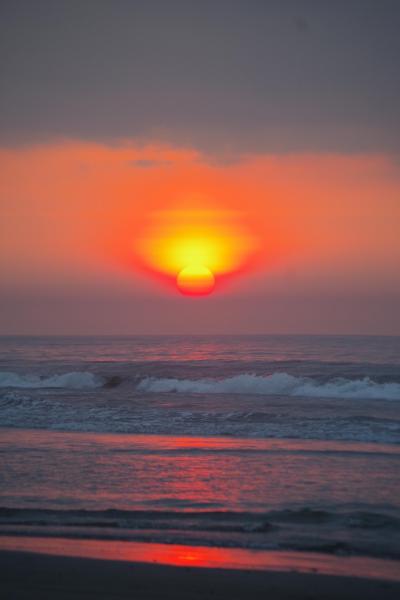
{"points": [[275, 125]]}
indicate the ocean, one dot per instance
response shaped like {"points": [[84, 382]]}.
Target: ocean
{"points": [[260, 442]]}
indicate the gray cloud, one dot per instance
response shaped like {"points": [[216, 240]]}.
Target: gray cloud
{"points": [[148, 163], [224, 77]]}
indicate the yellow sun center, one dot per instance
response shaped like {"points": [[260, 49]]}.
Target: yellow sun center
{"points": [[195, 280]]}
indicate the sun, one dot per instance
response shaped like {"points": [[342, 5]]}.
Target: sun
{"points": [[195, 249], [195, 280]]}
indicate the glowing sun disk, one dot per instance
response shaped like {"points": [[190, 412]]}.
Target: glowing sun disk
{"points": [[195, 280]]}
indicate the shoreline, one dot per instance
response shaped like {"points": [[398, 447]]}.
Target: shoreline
{"points": [[29, 575], [222, 558]]}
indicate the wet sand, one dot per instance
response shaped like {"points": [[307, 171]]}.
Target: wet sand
{"points": [[28, 576]]}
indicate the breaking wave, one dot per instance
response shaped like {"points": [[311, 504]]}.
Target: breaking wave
{"points": [[203, 519], [73, 380], [276, 384], [280, 383], [292, 530]]}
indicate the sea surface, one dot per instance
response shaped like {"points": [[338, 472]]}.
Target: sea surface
{"points": [[261, 442]]}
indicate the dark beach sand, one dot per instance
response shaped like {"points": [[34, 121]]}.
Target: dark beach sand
{"points": [[25, 575]]}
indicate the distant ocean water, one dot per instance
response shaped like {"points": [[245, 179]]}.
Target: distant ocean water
{"points": [[287, 442]]}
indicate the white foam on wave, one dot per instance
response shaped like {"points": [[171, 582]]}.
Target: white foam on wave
{"points": [[276, 384], [73, 380]]}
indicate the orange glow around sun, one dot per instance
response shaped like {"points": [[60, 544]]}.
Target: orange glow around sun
{"points": [[195, 249]]}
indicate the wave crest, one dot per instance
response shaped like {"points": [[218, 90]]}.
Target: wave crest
{"points": [[276, 384], [73, 380]]}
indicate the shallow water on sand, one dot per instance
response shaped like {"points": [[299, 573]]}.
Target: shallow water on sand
{"points": [[304, 495]]}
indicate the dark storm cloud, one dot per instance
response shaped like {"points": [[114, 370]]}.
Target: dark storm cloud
{"points": [[223, 76]]}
